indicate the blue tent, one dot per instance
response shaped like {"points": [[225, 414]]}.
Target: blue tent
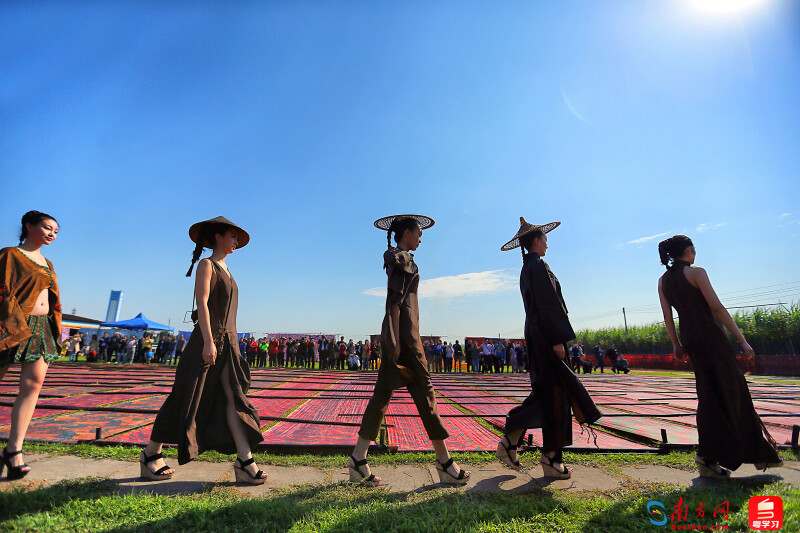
{"points": [[138, 322]]}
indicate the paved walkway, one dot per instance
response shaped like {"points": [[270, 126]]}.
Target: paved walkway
{"points": [[198, 476]]}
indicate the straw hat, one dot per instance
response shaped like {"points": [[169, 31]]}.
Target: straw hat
{"points": [[386, 222], [524, 229], [195, 230]]}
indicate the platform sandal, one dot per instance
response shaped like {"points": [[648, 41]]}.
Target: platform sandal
{"points": [[243, 476], [551, 471], [14, 472], [505, 458], [446, 477], [145, 472], [711, 470], [763, 466], [356, 476]]}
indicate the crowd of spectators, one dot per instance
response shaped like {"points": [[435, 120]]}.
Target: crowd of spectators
{"points": [[333, 354]]}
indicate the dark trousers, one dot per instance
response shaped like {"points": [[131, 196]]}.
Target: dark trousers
{"points": [[420, 389], [448, 364]]}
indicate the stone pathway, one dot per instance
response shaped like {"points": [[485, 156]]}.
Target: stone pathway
{"points": [[198, 476]]}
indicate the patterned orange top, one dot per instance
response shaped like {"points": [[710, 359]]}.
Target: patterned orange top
{"points": [[21, 282]]}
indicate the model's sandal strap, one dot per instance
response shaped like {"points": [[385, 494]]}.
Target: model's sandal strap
{"points": [[246, 463], [447, 464], [12, 454], [510, 448], [357, 467], [152, 458], [161, 470], [551, 460]]}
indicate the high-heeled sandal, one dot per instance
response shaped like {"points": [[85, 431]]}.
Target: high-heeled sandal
{"points": [[356, 476], [446, 477], [243, 476], [158, 475], [763, 466], [711, 470], [505, 458], [14, 472], [551, 471]]}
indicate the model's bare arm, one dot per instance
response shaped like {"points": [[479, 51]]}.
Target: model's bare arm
{"points": [[202, 288], [669, 322], [699, 278]]}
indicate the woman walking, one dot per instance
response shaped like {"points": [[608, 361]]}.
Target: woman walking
{"points": [[403, 360], [207, 408], [555, 387], [729, 429], [30, 326]]}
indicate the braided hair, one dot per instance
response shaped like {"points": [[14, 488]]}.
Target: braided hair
{"points": [[526, 241], [32, 218], [399, 227], [206, 240], [673, 248]]}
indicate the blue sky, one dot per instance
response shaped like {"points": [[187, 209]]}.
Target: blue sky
{"points": [[306, 121]]}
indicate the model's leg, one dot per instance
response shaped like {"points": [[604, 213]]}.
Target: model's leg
{"points": [[30, 383], [235, 423]]}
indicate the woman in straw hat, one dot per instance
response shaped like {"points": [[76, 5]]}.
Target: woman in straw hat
{"points": [[403, 360], [207, 408], [555, 387], [729, 429]]}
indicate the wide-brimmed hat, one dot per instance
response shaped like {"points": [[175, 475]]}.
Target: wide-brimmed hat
{"points": [[196, 229], [525, 228], [385, 222]]}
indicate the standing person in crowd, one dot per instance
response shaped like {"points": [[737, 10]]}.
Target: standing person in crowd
{"points": [[272, 351], [555, 388], [575, 360], [291, 352], [73, 344], [207, 408], [252, 351], [522, 361], [169, 351], [599, 356], [367, 357], [512, 357], [499, 356], [403, 362], [488, 356], [729, 429], [180, 345], [474, 354], [30, 327], [130, 349], [612, 355], [280, 354], [322, 346], [458, 355], [243, 342], [376, 359], [438, 357], [102, 348], [448, 357]]}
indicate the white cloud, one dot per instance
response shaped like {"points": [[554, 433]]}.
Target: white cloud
{"points": [[784, 215], [706, 226], [643, 240], [470, 284]]}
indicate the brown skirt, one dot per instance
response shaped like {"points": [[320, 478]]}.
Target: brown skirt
{"points": [[194, 414]]}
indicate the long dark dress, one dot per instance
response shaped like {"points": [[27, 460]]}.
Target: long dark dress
{"points": [[555, 386], [194, 414], [729, 429]]}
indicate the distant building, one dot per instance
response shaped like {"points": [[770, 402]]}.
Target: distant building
{"points": [[114, 306]]}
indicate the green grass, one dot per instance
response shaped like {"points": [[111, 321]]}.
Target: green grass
{"points": [[96, 505]]}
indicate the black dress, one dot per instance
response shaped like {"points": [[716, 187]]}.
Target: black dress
{"points": [[729, 429], [194, 414], [555, 386]]}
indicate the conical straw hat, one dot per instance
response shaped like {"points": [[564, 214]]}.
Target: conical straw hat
{"points": [[524, 229]]}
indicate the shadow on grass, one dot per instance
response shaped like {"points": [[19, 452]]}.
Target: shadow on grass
{"points": [[20, 500]]}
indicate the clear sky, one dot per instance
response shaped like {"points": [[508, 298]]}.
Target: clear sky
{"points": [[306, 121]]}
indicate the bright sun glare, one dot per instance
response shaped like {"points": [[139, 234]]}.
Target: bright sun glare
{"points": [[725, 7]]}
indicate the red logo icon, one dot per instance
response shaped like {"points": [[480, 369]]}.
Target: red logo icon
{"points": [[766, 513]]}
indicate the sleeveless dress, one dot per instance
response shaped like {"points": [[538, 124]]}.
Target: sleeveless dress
{"points": [[729, 429], [193, 415]]}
